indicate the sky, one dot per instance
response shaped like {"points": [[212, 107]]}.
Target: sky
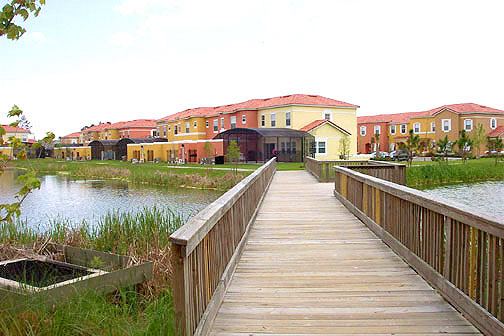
{"points": [[82, 62]]}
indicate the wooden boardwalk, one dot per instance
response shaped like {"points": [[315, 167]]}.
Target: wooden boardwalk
{"points": [[311, 267]]}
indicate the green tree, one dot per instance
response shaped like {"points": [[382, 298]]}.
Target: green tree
{"points": [[344, 147], [479, 137], [464, 144], [495, 145], [444, 146], [233, 154], [209, 154], [14, 9], [411, 145]]}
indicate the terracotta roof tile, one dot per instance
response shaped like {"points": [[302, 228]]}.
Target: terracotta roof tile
{"points": [[10, 129], [317, 123], [389, 118], [497, 132], [465, 108], [72, 135], [133, 123]]}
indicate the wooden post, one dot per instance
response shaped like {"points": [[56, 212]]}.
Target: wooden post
{"points": [[447, 259], [178, 287]]}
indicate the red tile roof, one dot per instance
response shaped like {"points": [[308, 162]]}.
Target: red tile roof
{"points": [[465, 108], [497, 132], [10, 129], [318, 123], [256, 104], [98, 127], [134, 124], [72, 135], [389, 118]]}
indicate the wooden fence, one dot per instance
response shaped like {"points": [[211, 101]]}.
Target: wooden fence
{"points": [[389, 171], [459, 250], [206, 249]]}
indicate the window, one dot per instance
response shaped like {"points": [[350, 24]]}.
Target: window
{"points": [[263, 120], [175, 129], [164, 131], [287, 119], [468, 124], [215, 125], [233, 121], [195, 124], [169, 128], [321, 147], [363, 130], [187, 126], [222, 123], [206, 123], [403, 129], [273, 120], [446, 125], [493, 123], [377, 129], [128, 133], [327, 116], [392, 129], [433, 126], [244, 119], [416, 127]]}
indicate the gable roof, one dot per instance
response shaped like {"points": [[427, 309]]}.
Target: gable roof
{"points": [[497, 132], [11, 129], [464, 108], [98, 127], [257, 104], [137, 123], [389, 118], [72, 135], [318, 123]]}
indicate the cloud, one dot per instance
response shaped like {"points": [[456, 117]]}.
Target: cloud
{"points": [[35, 36], [122, 39]]}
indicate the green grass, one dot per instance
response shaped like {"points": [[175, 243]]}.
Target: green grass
{"points": [[426, 174], [148, 173], [147, 312]]}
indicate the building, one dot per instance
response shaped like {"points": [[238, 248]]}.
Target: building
{"points": [[189, 130], [139, 128], [431, 126], [72, 138], [22, 134], [72, 152]]}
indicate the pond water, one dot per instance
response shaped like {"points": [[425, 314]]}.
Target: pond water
{"points": [[78, 200], [487, 197]]}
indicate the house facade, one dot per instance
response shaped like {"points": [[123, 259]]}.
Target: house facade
{"points": [[188, 131], [432, 125], [22, 134], [72, 138]]}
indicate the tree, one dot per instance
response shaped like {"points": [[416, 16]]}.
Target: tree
{"points": [[495, 145], [15, 8], [344, 147], [411, 145], [464, 144], [377, 138], [444, 146], [479, 136], [233, 154], [209, 154]]}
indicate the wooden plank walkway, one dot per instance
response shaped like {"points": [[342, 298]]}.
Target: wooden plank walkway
{"points": [[311, 267]]}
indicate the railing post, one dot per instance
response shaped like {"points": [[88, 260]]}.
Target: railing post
{"points": [[447, 252], [179, 290]]}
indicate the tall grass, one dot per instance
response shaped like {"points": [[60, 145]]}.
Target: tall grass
{"points": [[148, 310], [429, 176]]}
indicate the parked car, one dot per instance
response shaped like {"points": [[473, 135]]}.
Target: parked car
{"points": [[399, 155], [381, 155]]}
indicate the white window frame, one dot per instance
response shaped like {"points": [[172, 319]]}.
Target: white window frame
{"points": [[448, 124], [493, 123], [164, 131], [393, 129], [287, 119], [206, 123], [216, 125], [317, 148], [222, 124], [405, 127], [263, 120], [363, 130], [329, 112], [244, 119], [433, 126], [377, 128], [273, 120], [169, 128], [188, 127], [468, 122], [417, 128], [195, 124], [233, 122]]}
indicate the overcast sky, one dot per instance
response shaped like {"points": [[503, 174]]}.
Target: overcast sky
{"points": [[82, 62]]}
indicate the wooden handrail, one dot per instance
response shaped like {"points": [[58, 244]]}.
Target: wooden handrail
{"points": [[205, 250], [390, 171], [459, 250]]}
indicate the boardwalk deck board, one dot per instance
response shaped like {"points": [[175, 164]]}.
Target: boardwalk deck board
{"points": [[311, 267]]}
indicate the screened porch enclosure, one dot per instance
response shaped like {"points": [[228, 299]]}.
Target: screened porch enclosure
{"points": [[262, 144]]}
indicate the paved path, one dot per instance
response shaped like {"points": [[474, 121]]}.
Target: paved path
{"points": [[311, 267]]}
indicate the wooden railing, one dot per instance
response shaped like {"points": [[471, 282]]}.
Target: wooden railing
{"points": [[206, 249], [458, 249], [389, 171]]}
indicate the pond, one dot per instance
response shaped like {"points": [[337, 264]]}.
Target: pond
{"points": [[487, 197], [77, 200]]}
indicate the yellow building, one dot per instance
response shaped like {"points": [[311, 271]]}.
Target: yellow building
{"points": [[5, 150], [22, 134], [73, 152]]}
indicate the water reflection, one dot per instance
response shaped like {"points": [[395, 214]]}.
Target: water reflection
{"points": [[487, 197], [77, 200]]}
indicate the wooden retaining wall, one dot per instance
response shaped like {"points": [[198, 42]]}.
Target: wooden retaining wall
{"points": [[459, 250], [206, 249], [389, 171]]}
